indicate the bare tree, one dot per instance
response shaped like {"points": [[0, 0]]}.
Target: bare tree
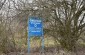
{"points": [[2, 3], [69, 22], [66, 17]]}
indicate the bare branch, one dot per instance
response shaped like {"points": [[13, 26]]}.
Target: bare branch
{"points": [[1, 4]]}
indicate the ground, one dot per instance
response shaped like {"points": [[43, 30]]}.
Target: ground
{"points": [[47, 51]]}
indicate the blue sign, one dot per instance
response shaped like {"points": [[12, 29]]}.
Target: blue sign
{"points": [[35, 26]]}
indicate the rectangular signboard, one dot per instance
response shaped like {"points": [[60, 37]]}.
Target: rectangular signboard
{"points": [[35, 27]]}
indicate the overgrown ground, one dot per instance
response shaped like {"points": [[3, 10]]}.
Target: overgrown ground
{"points": [[48, 51], [21, 47]]}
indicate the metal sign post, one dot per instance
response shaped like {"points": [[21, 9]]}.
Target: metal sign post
{"points": [[29, 44], [35, 28]]}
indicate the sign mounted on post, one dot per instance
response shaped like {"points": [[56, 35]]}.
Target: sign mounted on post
{"points": [[35, 29], [35, 26]]}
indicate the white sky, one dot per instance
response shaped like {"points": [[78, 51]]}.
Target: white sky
{"points": [[30, 1]]}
